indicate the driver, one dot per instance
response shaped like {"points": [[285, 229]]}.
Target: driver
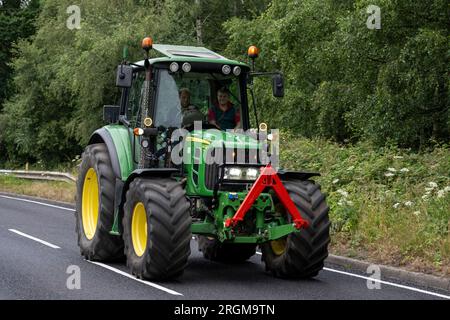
{"points": [[189, 112], [224, 114]]}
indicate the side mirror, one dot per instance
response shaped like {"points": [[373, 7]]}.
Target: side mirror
{"points": [[278, 85], [124, 76]]}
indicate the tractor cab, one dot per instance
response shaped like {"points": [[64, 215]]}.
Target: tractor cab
{"points": [[189, 88], [187, 83]]}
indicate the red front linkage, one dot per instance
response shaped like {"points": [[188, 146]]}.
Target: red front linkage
{"points": [[268, 178]]}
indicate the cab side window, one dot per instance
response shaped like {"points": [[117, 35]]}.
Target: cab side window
{"points": [[134, 100]]}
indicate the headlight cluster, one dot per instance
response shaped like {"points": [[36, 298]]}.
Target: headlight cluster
{"points": [[240, 173]]}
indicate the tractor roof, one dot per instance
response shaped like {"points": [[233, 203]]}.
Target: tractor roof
{"points": [[188, 54]]}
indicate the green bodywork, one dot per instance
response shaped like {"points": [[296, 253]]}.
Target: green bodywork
{"points": [[121, 137], [198, 148], [262, 223]]}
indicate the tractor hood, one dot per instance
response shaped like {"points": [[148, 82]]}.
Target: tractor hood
{"points": [[218, 138]]}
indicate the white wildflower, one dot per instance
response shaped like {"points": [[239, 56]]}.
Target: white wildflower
{"points": [[409, 203], [389, 174], [425, 196], [343, 193], [447, 189], [404, 170], [335, 181], [392, 169], [350, 203], [417, 213], [398, 157], [432, 184], [396, 205], [428, 190], [440, 193]]}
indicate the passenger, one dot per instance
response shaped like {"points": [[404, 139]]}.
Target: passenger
{"points": [[189, 112]]}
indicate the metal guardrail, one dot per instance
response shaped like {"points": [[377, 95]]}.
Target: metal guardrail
{"points": [[40, 175]]}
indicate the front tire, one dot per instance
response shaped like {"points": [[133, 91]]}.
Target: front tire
{"points": [[301, 254], [157, 228], [94, 212]]}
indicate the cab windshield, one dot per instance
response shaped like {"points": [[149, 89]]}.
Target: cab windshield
{"points": [[183, 98]]}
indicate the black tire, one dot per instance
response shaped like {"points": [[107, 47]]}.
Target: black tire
{"points": [[304, 252], [168, 228], [103, 246], [215, 250]]}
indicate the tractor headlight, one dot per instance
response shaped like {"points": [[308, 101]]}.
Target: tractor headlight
{"points": [[226, 69], [186, 67], [174, 67], [240, 173], [252, 173]]}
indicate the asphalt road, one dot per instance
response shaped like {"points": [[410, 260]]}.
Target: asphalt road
{"points": [[38, 246]]}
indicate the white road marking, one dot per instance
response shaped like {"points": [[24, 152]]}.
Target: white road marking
{"points": [[389, 283], [151, 284], [383, 282], [37, 202], [48, 244]]}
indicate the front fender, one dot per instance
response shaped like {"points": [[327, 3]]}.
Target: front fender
{"points": [[118, 142], [298, 175]]}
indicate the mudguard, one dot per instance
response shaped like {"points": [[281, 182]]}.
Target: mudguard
{"points": [[299, 175], [118, 142]]}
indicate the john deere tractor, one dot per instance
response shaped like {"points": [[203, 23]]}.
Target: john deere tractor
{"points": [[161, 172]]}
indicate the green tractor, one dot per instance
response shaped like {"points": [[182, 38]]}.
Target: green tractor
{"points": [[166, 168]]}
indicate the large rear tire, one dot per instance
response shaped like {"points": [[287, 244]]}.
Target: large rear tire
{"points": [[94, 212], [157, 228], [301, 254], [215, 250]]}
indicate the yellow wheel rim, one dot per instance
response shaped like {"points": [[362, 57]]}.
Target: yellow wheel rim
{"points": [[90, 204], [139, 229], [278, 246]]}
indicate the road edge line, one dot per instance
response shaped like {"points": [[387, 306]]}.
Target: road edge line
{"points": [[416, 278], [42, 201]]}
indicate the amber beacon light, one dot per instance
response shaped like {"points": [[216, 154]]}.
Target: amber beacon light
{"points": [[147, 43], [253, 52]]}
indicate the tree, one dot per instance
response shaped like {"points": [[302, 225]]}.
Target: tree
{"points": [[348, 82], [16, 22]]}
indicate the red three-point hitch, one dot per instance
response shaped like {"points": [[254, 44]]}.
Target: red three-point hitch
{"points": [[268, 179]]}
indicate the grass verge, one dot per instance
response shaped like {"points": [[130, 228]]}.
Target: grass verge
{"points": [[389, 206], [54, 190]]}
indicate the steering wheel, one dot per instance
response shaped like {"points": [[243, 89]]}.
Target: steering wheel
{"points": [[205, 125]]}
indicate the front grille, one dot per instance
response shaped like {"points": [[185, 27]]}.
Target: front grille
{"points": [[211, 175], [230, 157]]}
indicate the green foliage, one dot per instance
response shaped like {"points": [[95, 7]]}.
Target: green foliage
{"points": [[16, 22], [389, 201], [347, 82], [64, 77]]}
